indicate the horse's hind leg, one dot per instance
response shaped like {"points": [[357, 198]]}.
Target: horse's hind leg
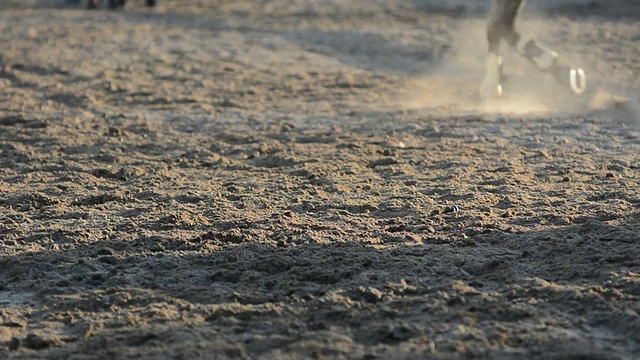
{"points": [[547, 60]]}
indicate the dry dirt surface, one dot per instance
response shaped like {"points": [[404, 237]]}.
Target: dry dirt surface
{"points": [[294, 179]]}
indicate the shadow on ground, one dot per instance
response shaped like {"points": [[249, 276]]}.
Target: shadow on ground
{"points": [[257, 298]]}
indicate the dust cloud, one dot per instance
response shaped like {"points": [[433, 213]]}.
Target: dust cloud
{"points": [[450, 84]]}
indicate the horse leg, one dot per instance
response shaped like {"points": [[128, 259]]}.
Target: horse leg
{"points": [[547, 61], [502, 27]]}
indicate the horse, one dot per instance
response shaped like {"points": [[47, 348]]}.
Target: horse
{"points": [[501, 27]]}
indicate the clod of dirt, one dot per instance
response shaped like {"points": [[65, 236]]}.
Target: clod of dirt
{"points": [[382, 162], [14, 344], [369, 294], [35, 342], [115, 131], [126, 173]]}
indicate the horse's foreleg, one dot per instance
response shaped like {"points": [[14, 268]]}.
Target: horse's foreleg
{"points": [[500, 27]]}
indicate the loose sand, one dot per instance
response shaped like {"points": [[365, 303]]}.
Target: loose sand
{"points": [[294, 179]]}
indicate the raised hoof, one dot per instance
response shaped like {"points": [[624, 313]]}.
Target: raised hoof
{"points": [[578, 80], [574, 78]]}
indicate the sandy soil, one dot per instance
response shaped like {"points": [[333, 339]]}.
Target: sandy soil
{"points": [[294, 179]]}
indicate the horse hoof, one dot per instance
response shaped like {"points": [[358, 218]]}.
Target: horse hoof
{"points": [[490, 90], [578, 80], [491, 84], [574, 78]]}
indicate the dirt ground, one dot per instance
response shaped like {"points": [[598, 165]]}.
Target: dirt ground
{"points": [[292, 179]]}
